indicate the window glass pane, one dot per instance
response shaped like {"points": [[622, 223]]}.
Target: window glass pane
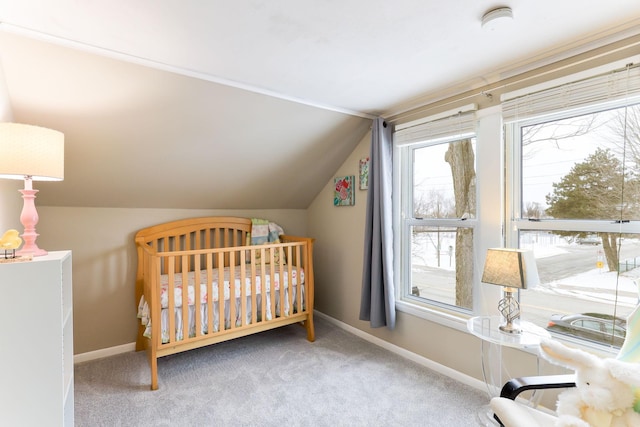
{"points": [[434, 271], [573, 168], [583, 286], [444, 180]]}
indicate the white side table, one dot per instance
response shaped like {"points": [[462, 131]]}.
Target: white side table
{"points": [[493, 339]]}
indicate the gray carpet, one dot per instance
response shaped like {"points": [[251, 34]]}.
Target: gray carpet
{"points": [[274, 378]]}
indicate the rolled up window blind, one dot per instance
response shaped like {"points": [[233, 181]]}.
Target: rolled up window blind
{"points": [[609, 87], [461, 124]]}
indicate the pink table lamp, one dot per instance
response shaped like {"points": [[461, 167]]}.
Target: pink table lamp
{"points": [[31, 153]]}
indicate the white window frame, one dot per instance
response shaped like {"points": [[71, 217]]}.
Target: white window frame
{"points": [[604, 87], [625, 90], [494, 220], [487, 223], [408, 221]]}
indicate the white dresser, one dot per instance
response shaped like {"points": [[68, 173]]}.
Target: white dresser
{"points": [[36, 341]]}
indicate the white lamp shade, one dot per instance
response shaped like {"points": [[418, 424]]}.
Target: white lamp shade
{"points": [[512, 268], [34, 151]]}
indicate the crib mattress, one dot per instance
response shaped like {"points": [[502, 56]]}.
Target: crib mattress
{"points": [[204, 289], [272, 286]]}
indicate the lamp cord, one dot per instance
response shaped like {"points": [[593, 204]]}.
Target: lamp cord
{"points": [[621, 219]]}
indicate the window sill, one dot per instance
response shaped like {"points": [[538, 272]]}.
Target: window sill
{"points": [[432, 314], [459, 323]]}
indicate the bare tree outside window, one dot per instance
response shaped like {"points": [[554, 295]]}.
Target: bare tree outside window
{"points": [[444, 188], [461, 158]]}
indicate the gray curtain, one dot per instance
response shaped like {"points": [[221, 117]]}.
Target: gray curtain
{"points": [[377, 304]]}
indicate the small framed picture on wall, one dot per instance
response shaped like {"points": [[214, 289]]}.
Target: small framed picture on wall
{"points": [[364, 173], [343, 191]]}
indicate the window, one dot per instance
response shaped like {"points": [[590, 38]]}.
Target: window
{"points": [[575, 202], [555, 171], [437, 212]]}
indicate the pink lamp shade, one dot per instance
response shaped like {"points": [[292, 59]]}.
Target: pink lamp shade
{"points": [[31, 153]]}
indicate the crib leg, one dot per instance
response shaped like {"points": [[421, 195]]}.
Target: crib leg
{"points": [[311, 333], [141, 340], [154, 372]]}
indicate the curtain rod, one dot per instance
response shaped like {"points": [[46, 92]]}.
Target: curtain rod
{"points": [[460, 110]]}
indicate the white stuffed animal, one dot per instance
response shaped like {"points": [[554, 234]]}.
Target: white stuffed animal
{"points": [[604, 392]]}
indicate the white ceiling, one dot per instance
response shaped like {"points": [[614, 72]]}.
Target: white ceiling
{"points": [[255, 104]]}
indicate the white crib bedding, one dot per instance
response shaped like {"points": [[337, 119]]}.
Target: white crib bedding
{"points": [[143, 308]]}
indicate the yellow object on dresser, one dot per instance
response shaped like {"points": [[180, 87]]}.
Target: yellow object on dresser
{"points": [[10, 240]]}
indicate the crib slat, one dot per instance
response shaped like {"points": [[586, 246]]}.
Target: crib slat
{"points": [[287, 273], [221, 300], [153, 265], [283, 290], [263, 286], [254, 299], [216, 242], [232, 290], [197, 304], [243, 287], [298, 287], [184, 260], [171, 302], [175, 246], [272, 282], [210, 302], [207, 239]]}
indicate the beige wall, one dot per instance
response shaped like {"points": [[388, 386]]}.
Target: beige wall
{"points": [[104, 262], [11, 204]]}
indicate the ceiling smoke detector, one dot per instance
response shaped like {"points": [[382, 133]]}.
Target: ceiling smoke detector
{"points": [[497, 17]]}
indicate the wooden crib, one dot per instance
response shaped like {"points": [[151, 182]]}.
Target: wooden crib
{"points": [[264, 286]]}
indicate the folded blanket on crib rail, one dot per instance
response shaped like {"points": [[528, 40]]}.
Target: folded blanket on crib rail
{"points": [[264, 232]]}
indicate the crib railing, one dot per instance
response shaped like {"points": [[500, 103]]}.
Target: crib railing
{"points": [[257, 288]]}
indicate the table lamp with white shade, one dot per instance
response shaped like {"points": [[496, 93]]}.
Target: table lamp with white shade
{"points": [[30, 153], [514, 269]]}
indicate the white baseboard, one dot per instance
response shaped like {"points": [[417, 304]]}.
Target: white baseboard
{"points": [[105, 352], [421, 360]]}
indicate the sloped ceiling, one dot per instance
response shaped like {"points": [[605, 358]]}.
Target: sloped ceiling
{"points": [[255, 104], [136, 136]]}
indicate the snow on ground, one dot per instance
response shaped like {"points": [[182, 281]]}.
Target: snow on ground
{"points": [[597, 283]]}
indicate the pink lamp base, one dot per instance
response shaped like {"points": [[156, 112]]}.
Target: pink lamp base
{"points": [[31, 250], [29, 219]]}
